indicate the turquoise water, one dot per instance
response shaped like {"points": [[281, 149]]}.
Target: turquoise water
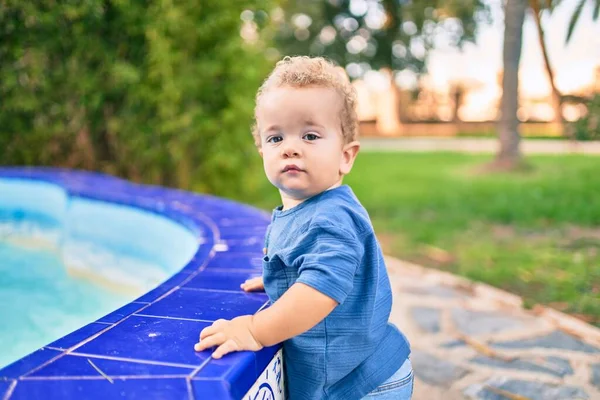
{"points": [[41, 302], [66, 261]]}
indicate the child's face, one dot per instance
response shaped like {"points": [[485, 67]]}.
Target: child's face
{"points": [[301, 140]]}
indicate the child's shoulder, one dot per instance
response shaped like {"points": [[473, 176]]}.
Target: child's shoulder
{"points": [[342, 212]]}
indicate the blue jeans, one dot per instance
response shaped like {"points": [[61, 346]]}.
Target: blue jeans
{"points": [[398, 387]]}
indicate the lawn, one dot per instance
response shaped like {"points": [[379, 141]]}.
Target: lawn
{"points": [[536, 234]]}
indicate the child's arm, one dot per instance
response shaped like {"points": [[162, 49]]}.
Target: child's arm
{"points": [[297, 310]]}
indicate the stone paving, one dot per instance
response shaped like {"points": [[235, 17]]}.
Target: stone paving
{"points": [[472, 341]]}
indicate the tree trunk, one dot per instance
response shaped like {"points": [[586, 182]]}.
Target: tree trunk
{"points": [[509, 155], [556, 95], [388, 108]]}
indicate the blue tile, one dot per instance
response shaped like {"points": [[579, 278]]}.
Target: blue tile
{"points": [[230, 222], [220, 280], [163, 288], [122, 312], [78, 336], [218, 369], [199, 260], [206, 305], [78, 366], [101, 389], [4, 386], [257, 234], [236, 261], [29, 362], [253, 246], [151, 339], [211, 389], [264, 357], [237, 369]]}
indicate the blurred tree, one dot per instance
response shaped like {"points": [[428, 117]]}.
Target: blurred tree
{"points": [[541, 7], [158, 92], [362, 35], [538, 8], [509, 155], [577, 13]]}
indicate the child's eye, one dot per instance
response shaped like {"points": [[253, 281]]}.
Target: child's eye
{"points": [[274, 139], [311, 136]]}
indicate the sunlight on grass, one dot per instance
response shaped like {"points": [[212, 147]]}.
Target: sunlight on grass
{"points": [[535, 233]]}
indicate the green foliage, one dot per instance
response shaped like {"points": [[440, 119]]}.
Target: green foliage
{"points": [[577, 13], [159, 92], [384, 33], [588, 127]]}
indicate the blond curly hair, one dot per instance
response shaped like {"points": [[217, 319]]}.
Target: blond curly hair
{"points": [[304, 71]]}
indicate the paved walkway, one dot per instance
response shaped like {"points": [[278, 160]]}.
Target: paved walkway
{"points": [[476, 145], [472, 341]]}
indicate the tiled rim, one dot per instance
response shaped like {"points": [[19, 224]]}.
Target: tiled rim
{"points": [[145, 348]]}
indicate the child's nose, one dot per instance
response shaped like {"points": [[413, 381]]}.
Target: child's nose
{"points": [[290, 151]]}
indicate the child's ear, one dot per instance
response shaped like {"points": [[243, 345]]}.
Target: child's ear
{"points": [[349, 153], [260, 152]]}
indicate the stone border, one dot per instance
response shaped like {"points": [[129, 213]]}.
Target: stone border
{"points": [[473, 341]]}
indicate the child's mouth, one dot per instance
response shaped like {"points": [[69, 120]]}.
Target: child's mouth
{"points": [[292, 169]]}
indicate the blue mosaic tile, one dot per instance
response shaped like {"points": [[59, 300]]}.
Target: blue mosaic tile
{"points": [[122, 312], [254, 245], [4, 386], [206, 305], [201, 258], [151, 339], [101, 389], [78, 366], [241, 376], [28, 363], [211, 389], [230, 222], [236, 261], [264, 357], [219, 369], [241, 233], [220, 280], [78, 336], [163, 288]]}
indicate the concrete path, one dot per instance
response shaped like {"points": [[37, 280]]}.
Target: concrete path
{"points": [[476, 145], [472, 341]]}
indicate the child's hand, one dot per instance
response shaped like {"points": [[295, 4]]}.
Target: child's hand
{"points": [[234, 335], [253, 285]]}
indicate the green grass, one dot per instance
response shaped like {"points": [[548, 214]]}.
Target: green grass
{"points": [[536, 234]]}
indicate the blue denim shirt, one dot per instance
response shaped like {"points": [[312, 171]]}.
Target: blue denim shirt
{"points": [[327, 242]]}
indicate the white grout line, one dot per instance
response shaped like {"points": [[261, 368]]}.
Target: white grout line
{"points": [[100, 371], [10, 390], [188, 384], [98, 378], [240, 291], [174, 318], [43, 364], [134, 360], [199, 368]]}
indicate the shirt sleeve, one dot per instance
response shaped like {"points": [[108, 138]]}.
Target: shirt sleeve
{"points": [[329, 260]]}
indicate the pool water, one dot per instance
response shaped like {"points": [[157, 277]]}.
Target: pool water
{"points": [[41, 302], [66, 261]]}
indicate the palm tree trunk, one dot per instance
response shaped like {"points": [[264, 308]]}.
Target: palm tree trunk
{"points": [[509, 155], [556, 95]]}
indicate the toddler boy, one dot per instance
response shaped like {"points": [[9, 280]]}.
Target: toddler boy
{"points": [[323, 268]]}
